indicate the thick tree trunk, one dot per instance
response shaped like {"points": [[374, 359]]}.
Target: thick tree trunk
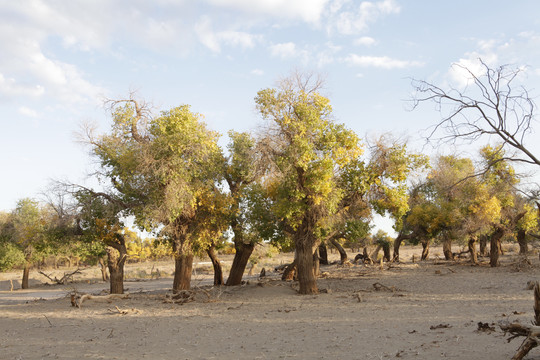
{"points": [[241, 258], [26, 275], [115, 261], [483, 245], [340, 249], [323, 254], [103, 267], [425, 250], [472, 251], [183, 266], [183, 259], [218, 273], [522, 241], [447, 249], [306, 277], [495, 247]]}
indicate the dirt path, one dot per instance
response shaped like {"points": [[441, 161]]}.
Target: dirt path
{"points": [[420, 311]]}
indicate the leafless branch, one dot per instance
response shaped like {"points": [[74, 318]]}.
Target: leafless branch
{"points": [[492, 106]]}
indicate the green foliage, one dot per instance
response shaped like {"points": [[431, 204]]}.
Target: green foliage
{"points": [[11, 256], [530, 220], [166, 171], [99, 219], [382, 238], [262, 251], [28, 227], [307, 151]]}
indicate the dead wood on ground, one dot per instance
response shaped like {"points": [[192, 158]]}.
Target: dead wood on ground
{"points": [[78, 299], [530, 332], [64, 279]]}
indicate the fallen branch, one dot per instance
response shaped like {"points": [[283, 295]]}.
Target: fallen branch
{"points": [[77, 300], [378, 287], [63, 280], [530, 332], [124, 311]]}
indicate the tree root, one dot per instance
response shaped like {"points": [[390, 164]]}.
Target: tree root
{"points": [[182, 297]]}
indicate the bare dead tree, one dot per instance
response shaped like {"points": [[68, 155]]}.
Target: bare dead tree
{"points": [[494, 105]]}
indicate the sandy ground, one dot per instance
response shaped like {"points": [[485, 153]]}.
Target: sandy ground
{"points": [[427, 310]]}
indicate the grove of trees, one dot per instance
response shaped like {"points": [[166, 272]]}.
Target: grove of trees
{"points": [[302, 182]]}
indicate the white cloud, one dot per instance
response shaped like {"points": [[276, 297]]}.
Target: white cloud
{"points": [[383, 62], [365, 41], [214, 40], [284, 50], [9, 88], [462, 71], [23, 110], [351, 18], [206, 34], [238, 38], [257, 72], [327, 55], [307, 10], [29, 72]]}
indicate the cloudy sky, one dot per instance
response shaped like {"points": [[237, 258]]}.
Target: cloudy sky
{"points": [[59, 59]]}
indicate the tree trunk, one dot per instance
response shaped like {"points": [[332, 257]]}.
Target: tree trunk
{"points": [[115, 261], [290, 271], [375, 254], [316, 264], [241, 258], [483, 245], [397, 245], [183, 259], [447, 248], [522, 241], [340, 249], [323, 254], [183, 266], [26, 275], [495, 247], [306, 277], [218, 273], [103, 267], [472, 251], [425, 250], [386, 251]]}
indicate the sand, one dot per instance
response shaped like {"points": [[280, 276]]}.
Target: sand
{"points": [[426, 310]]}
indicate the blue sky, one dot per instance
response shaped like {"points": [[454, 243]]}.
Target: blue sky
{"points": [[60, 59]]}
